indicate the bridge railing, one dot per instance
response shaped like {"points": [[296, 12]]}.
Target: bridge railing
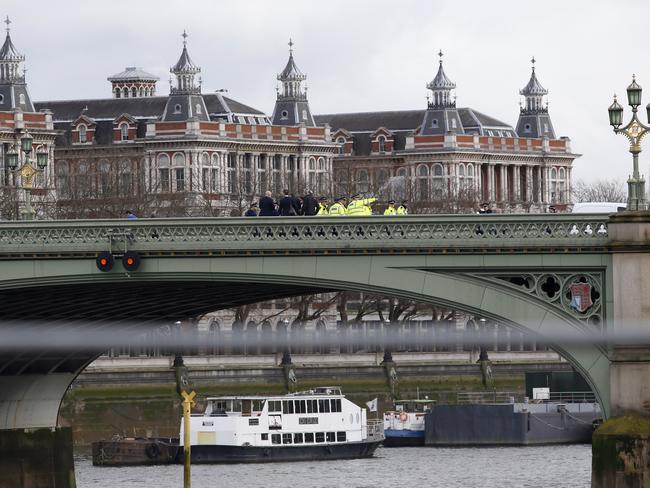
{"points": [[305, 234]]}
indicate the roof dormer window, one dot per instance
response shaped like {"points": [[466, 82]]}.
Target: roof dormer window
{"points": [[284, 115], [177, 108], [381, 140], [198, 108], [434, 123], [82, 133], [124, 131], [21, 99], [527, 128]]}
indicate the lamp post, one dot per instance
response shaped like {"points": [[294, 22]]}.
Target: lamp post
{"points": [[635, 130], [21, 163]]}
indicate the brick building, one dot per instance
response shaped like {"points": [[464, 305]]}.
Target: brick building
{"points": [[446, 153], [187, 153]]}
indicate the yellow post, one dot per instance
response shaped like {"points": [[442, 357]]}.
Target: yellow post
{"points": [[188, 403]]}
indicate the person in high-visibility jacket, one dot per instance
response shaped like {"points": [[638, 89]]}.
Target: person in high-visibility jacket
{"points": [[360, 207], [338, 208], [390, 210], [402, 209], [322, 206]]}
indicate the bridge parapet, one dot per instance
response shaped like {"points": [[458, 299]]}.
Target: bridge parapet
{"points": [[310, 235]]}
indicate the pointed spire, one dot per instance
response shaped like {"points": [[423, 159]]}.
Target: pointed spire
{"points": [[292, 78], [441, 87], [185, 71], [533, 92], [8, 52]]}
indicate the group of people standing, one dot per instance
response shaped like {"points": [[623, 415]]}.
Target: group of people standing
{"points": [[290, 205]]}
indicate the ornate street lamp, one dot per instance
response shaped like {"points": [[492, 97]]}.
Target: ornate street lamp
{"points": [[635, 130], [18, 160]]}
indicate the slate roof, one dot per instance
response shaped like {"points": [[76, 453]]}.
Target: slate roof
{"points": [[291, 71], [133, 73], [185, 63], [441, 81], [140, 108], [534, 87], [8, 52]]}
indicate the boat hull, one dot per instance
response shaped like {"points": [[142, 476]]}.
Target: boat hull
{"points": [[134, 452], [403, 438], [214, 454]]}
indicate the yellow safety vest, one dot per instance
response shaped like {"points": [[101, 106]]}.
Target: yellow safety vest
{"points": [[337, 209], [360, 208], [322, 209], [401, 210], [390, 211]]}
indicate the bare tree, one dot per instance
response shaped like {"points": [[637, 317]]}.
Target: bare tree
{"points": [[599, 191]]}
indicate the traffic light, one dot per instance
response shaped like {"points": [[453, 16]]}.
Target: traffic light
{"points": [[131, 260], [105, 261]]}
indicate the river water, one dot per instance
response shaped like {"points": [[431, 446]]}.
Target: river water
{"points": [[498, 467]]}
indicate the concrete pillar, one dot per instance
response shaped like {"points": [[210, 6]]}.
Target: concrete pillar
{"points": [[516, 184], [491, 179], [529, 184]]}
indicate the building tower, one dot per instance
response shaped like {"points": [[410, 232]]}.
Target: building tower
{"points": [[185, 100], [13, 89], [291, 105], [441, 115], [133, 83], [534, 120]]}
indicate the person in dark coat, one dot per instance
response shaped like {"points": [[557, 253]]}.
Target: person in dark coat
{"points": [[252, 211], [297, 204], [267, 205], [286, 206], [309, 204]]}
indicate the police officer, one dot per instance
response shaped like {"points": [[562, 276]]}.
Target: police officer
{"points": [[390, 210], [402, 210], [359, 207], [338, 208], [322, 206]]}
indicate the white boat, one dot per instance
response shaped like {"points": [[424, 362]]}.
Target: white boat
{"points": [[305, 426], [404, 426]]}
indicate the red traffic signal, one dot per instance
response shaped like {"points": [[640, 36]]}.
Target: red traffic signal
{"points": [[131, 260], [105, 261]]}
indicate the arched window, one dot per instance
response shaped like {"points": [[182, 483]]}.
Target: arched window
{"points": [[124, 131], [21, 98], [83, 179], [470, 171], [125, 178], [105, 178], [134, 92], [422, 183], [304, 114], [382, 144], [198, 108], [362, 180], [461, 170], [453, 124], [62, 179], [179, 159], [205, 159], [438, 180], [177, 108], [382, 178], [125, 92], [163, 173], [141, 92], [82, 132], [118, 93]]}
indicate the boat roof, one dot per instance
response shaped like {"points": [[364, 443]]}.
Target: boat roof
{"points": [[330, 391]]}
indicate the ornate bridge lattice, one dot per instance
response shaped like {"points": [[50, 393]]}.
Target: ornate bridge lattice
{"points": [[411, 234]]}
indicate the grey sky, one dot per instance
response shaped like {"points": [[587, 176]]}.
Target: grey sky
{"points": [[359, 55]]}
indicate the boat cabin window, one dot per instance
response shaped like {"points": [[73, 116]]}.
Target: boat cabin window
{"points": [[320, 436], [286, 438], [265, 437], [297, 438], [258, 405], [287, 406], [217, 407], [233, 406], [275, 439], [301, 406], [330, 437], [324, 406], [312, 406], [246, 406], [340, 437], [309, 437], [275, 406], [335, 405]]}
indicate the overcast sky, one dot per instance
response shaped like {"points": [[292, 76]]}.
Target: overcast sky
{"points": [[360, 55]]}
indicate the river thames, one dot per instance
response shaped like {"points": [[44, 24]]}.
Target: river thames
{"points": [[498, 467]]}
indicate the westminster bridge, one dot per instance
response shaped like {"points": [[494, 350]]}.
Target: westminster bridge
{"points": [[545, 274]]}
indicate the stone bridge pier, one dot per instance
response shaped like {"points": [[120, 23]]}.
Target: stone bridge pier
{"points": [[621, 446]]}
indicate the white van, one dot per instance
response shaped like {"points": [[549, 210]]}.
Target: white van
{"points": [[598, 207]]}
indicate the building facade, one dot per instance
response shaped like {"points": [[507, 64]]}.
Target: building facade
{"points": [[447, 158], [26, 143], [188, 153]]}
